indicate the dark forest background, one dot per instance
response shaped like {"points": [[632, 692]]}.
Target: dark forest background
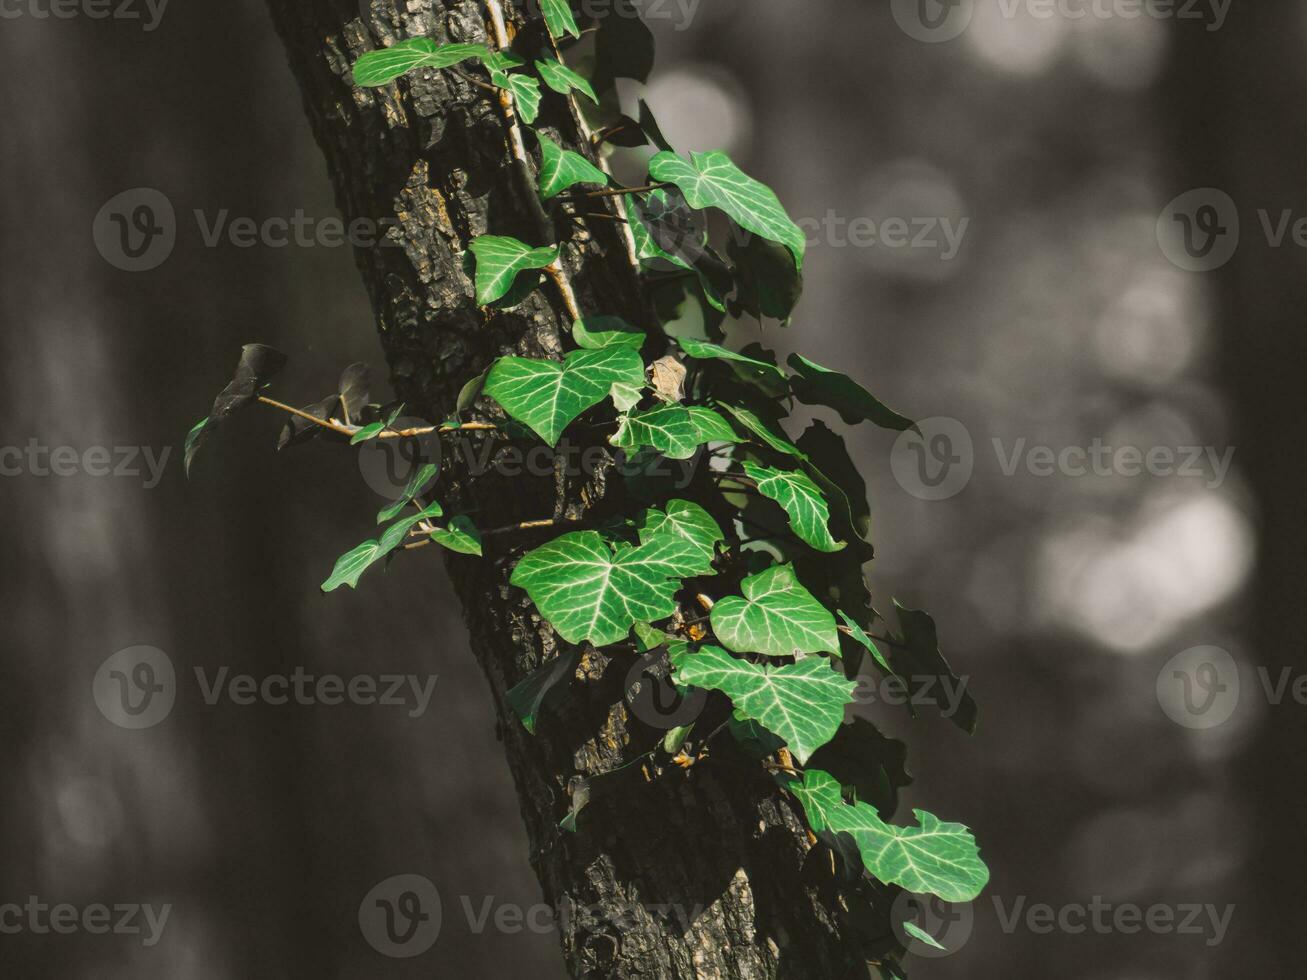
{"points": [[1059, 320]]}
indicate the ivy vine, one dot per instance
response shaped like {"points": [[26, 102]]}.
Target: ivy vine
{"points": [[790, 628]]}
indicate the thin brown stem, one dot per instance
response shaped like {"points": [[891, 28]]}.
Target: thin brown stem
{"points": [[331, 424], [617, 191]]}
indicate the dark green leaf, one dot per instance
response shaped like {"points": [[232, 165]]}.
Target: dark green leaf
{"points": [[541, 688], [816, 385]]}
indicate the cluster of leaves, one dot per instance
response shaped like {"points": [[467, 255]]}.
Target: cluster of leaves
{"points": [[789, 616]]}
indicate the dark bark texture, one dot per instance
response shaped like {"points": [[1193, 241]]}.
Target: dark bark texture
{"points": [[707, 872]]}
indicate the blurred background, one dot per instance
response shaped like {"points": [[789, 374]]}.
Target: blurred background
{"points": [[1044, 227]]}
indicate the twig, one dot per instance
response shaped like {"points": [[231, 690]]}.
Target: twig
{"points": [[517, 145], [617, 191], [529, 525], [331, 424], [473, 81]]}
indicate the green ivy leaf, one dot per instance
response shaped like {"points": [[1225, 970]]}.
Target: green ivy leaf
{"points": [[546, 395], [816, 385], [647, 638], [710, 426], [768, 377], [564, 80], [920, 934], [541, 688], [502, 60], [836, 473], [932, 858], [803, 703], [420, 477], [768, 431], [688, 521], [559, 19], [525, 89], [590, 590], [356, 561], [381, 67], [500, 258], [594, 332], [459, 534], [861, 636], [801, 499], [368, 432], [561, 169], [194, 439], [711, 180], [666, 428], [777, 617]]}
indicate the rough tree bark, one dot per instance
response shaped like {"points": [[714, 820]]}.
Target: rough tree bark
{"points": [[718, 845]]}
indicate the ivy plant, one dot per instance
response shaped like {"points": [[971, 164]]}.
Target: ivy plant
{"points": [[772, 553]]}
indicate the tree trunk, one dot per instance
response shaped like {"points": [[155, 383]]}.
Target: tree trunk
{"points": [[697, 873]]}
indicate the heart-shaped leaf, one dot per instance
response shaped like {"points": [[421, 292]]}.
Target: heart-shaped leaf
{"points": [[500, 258], [564, 80], [459, 534], [594, 332], [666, 428], [559, 19], [688, 521], [561, 169], [768, 377], [801, 499], [710, 426], [777, 616], [382, 67], [356, 561], [711, 180], [525, 89], [546, 395], [932, 858], [802, 703], [590, 590]]}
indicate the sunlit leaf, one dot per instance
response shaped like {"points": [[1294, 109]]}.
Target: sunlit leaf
{"points": [[564, 80], [546, 395], [802, 703], [589, 589], [776, 616], [561, 169], [932, 858], [802, 501]]}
